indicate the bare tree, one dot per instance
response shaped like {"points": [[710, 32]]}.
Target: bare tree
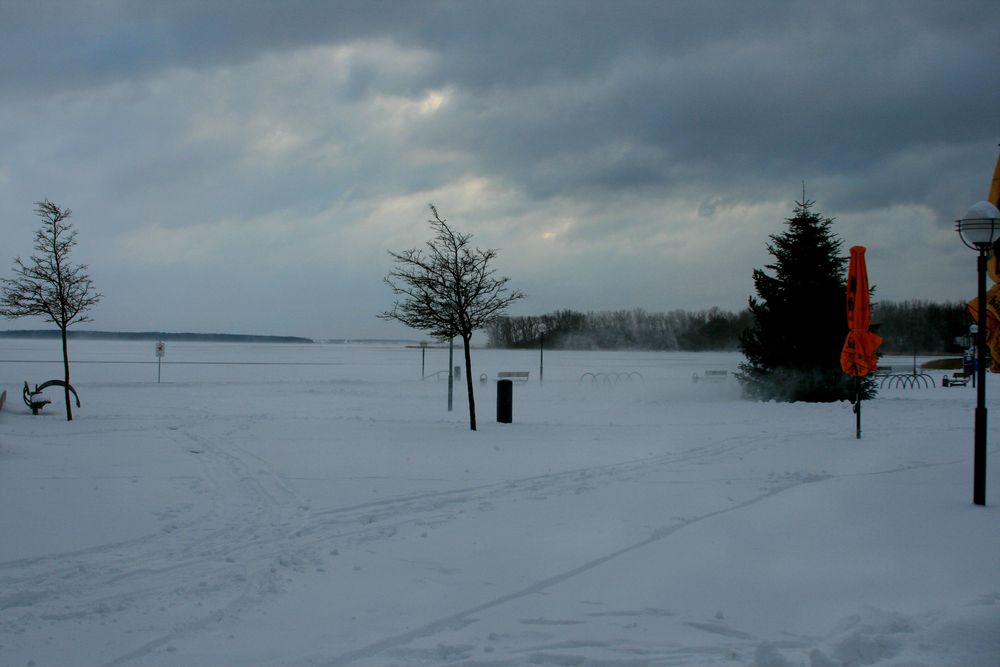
{"points": [[448, 290], [48, 285]]}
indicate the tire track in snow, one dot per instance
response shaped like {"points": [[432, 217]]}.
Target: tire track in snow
{"points": [[132, 575], [239, 547], [462, 617], [257, 519], [245, 546]]}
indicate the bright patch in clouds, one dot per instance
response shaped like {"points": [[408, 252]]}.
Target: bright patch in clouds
{"points": [[433, 101]]}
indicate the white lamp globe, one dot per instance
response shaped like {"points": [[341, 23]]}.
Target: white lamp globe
{"points": [[981, 225]]}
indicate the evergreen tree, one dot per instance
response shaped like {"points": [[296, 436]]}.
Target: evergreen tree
{"points": [[793, 347]]}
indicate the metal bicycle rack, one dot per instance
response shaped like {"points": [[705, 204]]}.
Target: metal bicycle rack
{"points": [[611, 378], [907, 381]]}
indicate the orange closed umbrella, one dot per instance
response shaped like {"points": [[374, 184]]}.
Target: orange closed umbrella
{"points": [[858, 356]]}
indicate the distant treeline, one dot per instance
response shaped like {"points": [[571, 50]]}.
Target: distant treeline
{"points": [[153, 335], [712, 329], [920, 327], [907, 327]]}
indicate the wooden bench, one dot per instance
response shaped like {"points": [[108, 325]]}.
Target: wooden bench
{"points": [[516, 376], [711, 376]]}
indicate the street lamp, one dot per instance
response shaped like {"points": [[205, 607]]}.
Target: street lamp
{"points": [[979, 229], [541, 352]]}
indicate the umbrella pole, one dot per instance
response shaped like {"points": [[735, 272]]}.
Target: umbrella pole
{"points": [[857, 405]]}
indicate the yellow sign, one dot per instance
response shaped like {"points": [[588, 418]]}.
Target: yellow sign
{"points": [[992, 323]]}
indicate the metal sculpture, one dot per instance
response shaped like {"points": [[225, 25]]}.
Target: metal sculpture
{"points": [[36, 401]]}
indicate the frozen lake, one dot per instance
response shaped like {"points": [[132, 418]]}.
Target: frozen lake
{"points": [[302, 505], [135, 361]]}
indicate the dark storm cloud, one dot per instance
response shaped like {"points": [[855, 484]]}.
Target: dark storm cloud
{"points": [[779, 87], [486, 44]]}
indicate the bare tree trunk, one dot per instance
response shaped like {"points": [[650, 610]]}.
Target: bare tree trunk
{"points": [[65, 349], [468, 381]]}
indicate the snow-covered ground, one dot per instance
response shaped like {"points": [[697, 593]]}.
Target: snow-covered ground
{"points": [[318, 505]]}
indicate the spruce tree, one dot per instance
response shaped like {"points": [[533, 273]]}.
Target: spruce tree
{"points": [[793, 347]]}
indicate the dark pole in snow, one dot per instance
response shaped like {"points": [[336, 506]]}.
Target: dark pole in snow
{"points": [[857, 404], [451, 373], [541, 358]]}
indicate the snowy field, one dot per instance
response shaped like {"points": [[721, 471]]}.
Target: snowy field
{"points": [[311, 505]]}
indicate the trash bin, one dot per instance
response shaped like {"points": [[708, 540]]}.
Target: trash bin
{"points": [[505, 401]]}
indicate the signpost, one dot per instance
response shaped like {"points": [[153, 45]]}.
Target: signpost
{"points": [[161, 349]]}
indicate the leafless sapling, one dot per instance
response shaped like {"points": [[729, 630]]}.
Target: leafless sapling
{"points": [[448, 289], [48, 285]]}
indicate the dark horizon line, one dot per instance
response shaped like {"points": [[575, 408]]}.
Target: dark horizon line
{"points": [[191, 336], [146, 335]]}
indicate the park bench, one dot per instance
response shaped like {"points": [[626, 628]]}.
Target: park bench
{"points": [[711, 376], [957, 379], [36, 400], [516, 376]]}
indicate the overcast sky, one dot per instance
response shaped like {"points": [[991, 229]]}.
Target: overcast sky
{"points": [[244, 166]]}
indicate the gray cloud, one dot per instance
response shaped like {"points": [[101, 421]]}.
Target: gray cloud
{"points": [[243, 151]]}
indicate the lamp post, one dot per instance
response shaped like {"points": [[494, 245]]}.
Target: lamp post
{"points": [[979, 229], [541, 352]]}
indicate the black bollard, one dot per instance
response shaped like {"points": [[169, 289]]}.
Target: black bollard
{"points": [[505, 401]]}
